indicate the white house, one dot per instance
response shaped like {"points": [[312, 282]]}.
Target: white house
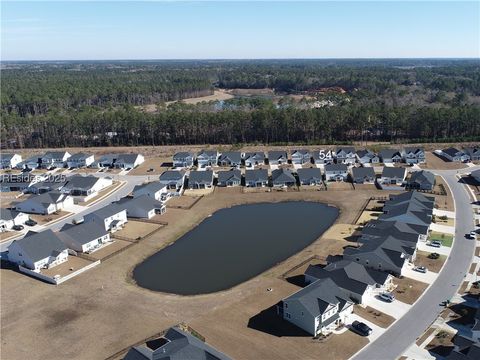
{"points": [[9, 218], [393, 176], [80, 160], [9, 161], [173, 180], [38, 250], [46, 203], [389, 156], [453, 154], [277, 157], [128, 161], [54, 159], [414, 155], [301, 156], [476, 175], [336, 172], [345, 155], [154, 189], [207, 158], [86, 186], [84, 237], [183, 159], [254, 158], [112, 217]]}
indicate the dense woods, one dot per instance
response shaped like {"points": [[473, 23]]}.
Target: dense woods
{"points": [[92, 104]]}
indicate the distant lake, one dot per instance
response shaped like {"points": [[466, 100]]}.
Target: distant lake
{"points": [[234, 245]]}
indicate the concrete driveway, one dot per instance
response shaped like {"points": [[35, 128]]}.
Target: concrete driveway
{"points": [[429, 277], [376, 330], [395, 309], [442, 250]]}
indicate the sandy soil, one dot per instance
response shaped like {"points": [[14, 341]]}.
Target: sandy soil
{"points": [[45, 219], [433, 265], [441, 344], [159, 164], [439, 163], [72, 264], [377, 317], [88, 307], [137, 229], [115, 246], [408, 290]]}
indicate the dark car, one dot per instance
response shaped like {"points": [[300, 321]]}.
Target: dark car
{"points": [[434, 256], [17, 227], [30, 222], [361, 328]]}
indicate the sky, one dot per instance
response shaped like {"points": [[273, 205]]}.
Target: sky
{"points": [[92, 30]]}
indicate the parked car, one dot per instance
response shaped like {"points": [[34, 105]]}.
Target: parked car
{"points": [[436, 243], [17, 227], [473, 235], [388, 297], [421, 269], [361, 328], [30, 222], [434, 256]]}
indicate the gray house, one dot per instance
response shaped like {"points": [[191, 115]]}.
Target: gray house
{"points": [[414, 155], [376, 229], [84, 237], [229, 178], [283, 178], [367, 157], [277, 157], [473, 152], [455, 155], [254, 158], [256, 178], [362, 175], [9, 161], [301, 156], [345, 155], [322, 157], [80, 160], [476, 175], [111, 217], [310, 177], [230, 158], [183, 159], [388, 156], [207, 158], [421, 180], [54, 159], [143, 207], [154, 190], [200, 179], [392, 176], [173, 180], [336, 172]]}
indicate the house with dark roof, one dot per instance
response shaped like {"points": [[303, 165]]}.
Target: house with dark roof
{"points": [[476, 326], [183, 159], [375, 229], [9, 218], [421, 180], [17, 182], [207, 158], [200, 179], [277, 157], [46, 203], [41, 187], [318, 308], [414, 155], [54, 159], [256, 178], [345, 155], [84, 237], [173, 180], [38, 250], [85, 186], [465, 348], [476, 175], [453, 154], [358, 281], [230, 158], [301, 156], [322, 157], [473, 152], [30, 163], [253, 159], [310, 177], [367, 157], [80, 160], [128, 161], [176, 344], [362, 175], [336, 172], [229, 178], [390, 156], [154, 190], [142, 206], [105, 161], [9, 161], [283, 178], [392, 178], [112, 217]]}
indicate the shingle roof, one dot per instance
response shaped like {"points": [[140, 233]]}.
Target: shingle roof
{"points": [[258, 156], [172, 175], [7, 214], [79, 156], [224, 176], [451, 151], [276, 155], [81, 182], [40, 245], [346, 149], [82, 233], [143, 202], [182, 155], [389, 153], [6, 157], [54, 155], [47, 198], [233, 156], [391, 172], [127, 158], [201, 176], [336, 167], [422, 177], [363, 172], [107, 211], [283, 176], [256, 175], [152, 187], [310, 173]]}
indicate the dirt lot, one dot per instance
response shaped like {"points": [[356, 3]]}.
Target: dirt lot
{"points": [[8, 234], [439, 163], [408, 290], [45, 219], [116, 245], [339, 186], [72, 264], [89, 306], [441, 344], [431, 264], [443, 202], [377, 317], [367, 216], [137, 229], [182, 202], [159, 164], [7, 198]]}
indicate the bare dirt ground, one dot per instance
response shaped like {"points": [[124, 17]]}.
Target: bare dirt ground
{"points": [[8, 234], [72, 264], [408, 290], [137, 229], [377, 317], [111, 248], [442, 343], [439, 163], [159, 164], [433, 265], [45, 219], [89, 306], [7, 198], [443, 202]]}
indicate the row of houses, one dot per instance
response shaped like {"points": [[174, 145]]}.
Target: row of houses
{"points": [[467, 154], [60, 159], [388, 245]]}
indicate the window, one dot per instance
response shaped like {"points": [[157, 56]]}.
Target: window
{"points": [[286, 306]]}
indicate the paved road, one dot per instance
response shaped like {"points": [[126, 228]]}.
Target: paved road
{"points": [[404, 332]]}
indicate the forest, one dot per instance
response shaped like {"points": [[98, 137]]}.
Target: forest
{"points": [[56, 104]]}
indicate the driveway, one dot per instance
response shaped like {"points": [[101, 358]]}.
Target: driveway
{"points": [[429, 277], [395, 309], [376, 330], [443, 228], [442, 250]]}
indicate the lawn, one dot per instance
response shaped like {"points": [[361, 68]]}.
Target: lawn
{"points": [[445, 239]]}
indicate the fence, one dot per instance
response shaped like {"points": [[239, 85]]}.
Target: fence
{"points": [[56, 281]]}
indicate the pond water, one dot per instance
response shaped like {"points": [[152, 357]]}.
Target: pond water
{"points": [[234, 245]]}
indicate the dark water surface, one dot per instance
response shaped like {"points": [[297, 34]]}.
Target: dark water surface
{"points": [[234, 245]]}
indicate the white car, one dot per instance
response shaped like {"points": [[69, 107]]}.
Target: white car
{"points": [[473, 234], [388, 297]]}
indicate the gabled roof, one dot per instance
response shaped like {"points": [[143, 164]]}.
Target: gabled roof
{"points": [[208, 153], [258, 175], [473, 151], [107, 158], [363, 172], [52, 197], [50, 185], [451, 151], [282, 176], [336, 167], [201, 176], [40, 245], [310, 173], [389, 153], [276, 155], [6, 157], [394, 172], [54, 155], [172, 175], [82, 233], [79, 156], [183, 155], [258, 156], [475, 173], [7, 214], [142, 202], [413, 200], [397, 229], [81, 182], [233, 156], [107, 211], [177, 345], [422, 177], [224, 176], [151, 187], [127, 158], [346, 149], [301, 152], [414, 150]]}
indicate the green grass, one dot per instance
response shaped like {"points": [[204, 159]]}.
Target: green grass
{"points": [[445, 239]]}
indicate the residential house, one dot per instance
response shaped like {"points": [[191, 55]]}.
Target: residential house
{"points": [[376, 229], [453, 154], [410, 207], [322, 157], [256, 178], [112, 217], [84, 237], [392, 176], [318, 308], [421, 180], [476, 175], [200, 179], [128, 161], [80, 160], [301, 157], [229, 178], [106, 161], [413, 155], [390, 156], [367, 157], [29, 164], [38, 250], [143, 206], [336, 172], [9, 161], [253, 159], [473, 152], [17, 182], [362, 175], [54, 159], [9, 218], [277, 157], [230, 158], [465, 348], [86, 186], [173, 180], [207, 158], [358, 281], [310, 177], [283, 178], [154, 190], [410, 198], [345, 155], [183, 159], [46, 203], [40, 187], [176, 344]]}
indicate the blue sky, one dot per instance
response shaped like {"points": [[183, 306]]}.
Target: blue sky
{"points": [[67, 30]]}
